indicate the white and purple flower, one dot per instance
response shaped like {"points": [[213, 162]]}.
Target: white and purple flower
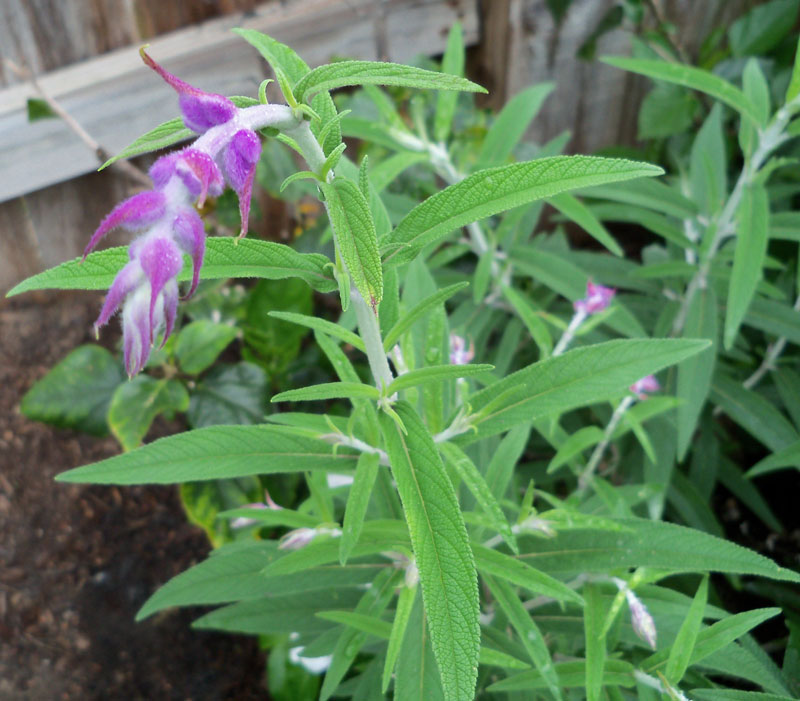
{"points": [[166, 219], [642, 387]]}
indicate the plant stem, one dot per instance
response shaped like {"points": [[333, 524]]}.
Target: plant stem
{"points": [[368, 327], [773, 353], [600, 448], [563, 343]]}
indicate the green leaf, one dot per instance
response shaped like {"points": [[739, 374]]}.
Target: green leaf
{"points": [[441, 547], [579, 441], [355, 233], [497, 564], [435, 373], [77, 391], [323, 326], [229, 394], [357, 503], [136, 404], [774, 317], [644, 543], [494, 190], [533, 322], [482, 276], [405, 604], [39, 109], [794, 83], [511, 124], [164, 135], [418, 677], [360, 622], [579, 377], [647, 195], [469, 474], [216, 452], [748, 258], [695, 373], [344, 73], [224, 259], [452, 64], [715, 637], [708, 165], [689, 77], [761, 29], [595, 640], [328, 390], [569, 674], [681, 651], [787, 457], [574, 209], [418, 311], [278, 55], [199, 343], [752, 412], [528, 632]]}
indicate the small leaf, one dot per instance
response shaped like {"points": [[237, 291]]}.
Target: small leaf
{"points": [[441, 547], [579, 441], [405, 604], [794, 84], [695, 373], [418, 311], [137, 403], [200, 342], [164, 135], [357, 503], [593, 617], [452, 64], [469, 474], [569, 675], [787, 457], [681, 651], [528, 632], [435, 373], [39, 109], [328, 390], [344, 73], [511, 123], [216, 452], [512, 569], [574, 209], [323, 326], [689, 77], [748, 258], [77, 391], [224, 259], [761, 29], [494, 190], [355, 234]]}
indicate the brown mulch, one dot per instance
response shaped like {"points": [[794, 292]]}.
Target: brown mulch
{"points": [[77, 562]]}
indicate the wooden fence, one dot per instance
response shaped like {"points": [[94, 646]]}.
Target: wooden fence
{"points": [[85, 56]]}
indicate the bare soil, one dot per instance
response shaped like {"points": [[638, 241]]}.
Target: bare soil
{"points": [[77, 562]]}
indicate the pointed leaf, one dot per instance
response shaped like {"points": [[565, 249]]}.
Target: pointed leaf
{"points": [[357, 503], [328, 390], [452, 64], [216, 452], [344, 73], [405, 604], [441, 547], [418, 311], [681, 651], [494, 190], [436, 373]]}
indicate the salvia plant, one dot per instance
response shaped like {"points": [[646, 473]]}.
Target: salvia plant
{"points": [[479, 506]]}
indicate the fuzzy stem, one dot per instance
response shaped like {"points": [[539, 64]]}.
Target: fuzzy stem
{"points": [[563, 343], [600, 449]]}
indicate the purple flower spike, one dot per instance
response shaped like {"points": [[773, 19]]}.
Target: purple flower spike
{"points": [[191, 237], [161, 261], [136, 330], [596, 300], [124, 283], [241, 158], [646, 384], [136, 212], [201, 110]]}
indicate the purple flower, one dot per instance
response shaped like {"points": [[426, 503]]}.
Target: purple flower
{"points": [[646, 384], [596, 300], [459, 353], [166, 219]]}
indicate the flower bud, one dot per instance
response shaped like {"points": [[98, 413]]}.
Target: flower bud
{"points": [[646, 384], [596, 300], [643, 624], [459, 353]]}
